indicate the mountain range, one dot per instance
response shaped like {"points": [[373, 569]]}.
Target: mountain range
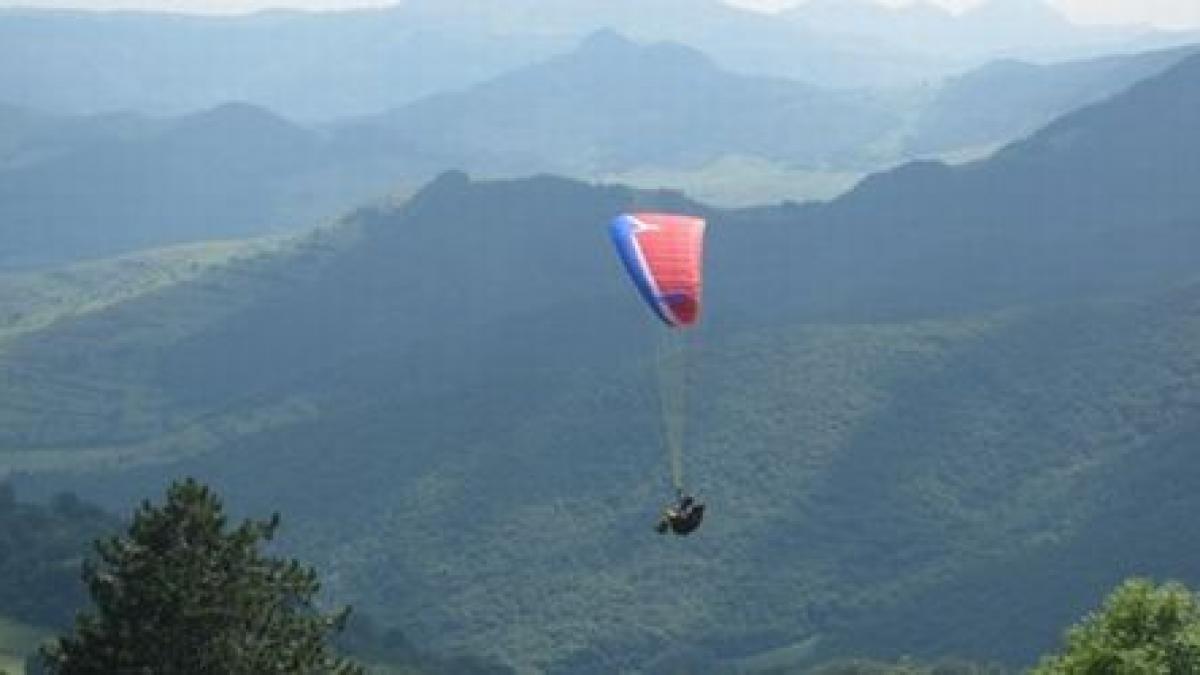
{"points": [[75, 187], [613, 104], [957, 398], [321, 66]]}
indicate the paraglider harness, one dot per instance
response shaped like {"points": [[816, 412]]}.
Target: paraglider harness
{"points": [[681, 518]]}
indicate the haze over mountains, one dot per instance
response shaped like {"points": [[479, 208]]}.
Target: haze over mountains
{"points": [[920, 404], [328, 65], [74, 187], [1012, 28]]}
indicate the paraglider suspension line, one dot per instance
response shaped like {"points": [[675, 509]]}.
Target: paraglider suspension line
{"points": [[672, 388]]}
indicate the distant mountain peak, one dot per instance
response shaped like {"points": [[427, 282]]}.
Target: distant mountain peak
{"points": [[608, 45], [453, 180], [239, 126], [606, 39], [235, 114]]}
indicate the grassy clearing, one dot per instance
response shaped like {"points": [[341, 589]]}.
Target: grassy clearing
{"points": [[734, 181], [30, 301]]}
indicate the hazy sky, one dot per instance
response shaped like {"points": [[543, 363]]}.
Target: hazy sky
{"points": [[1164, 13]]}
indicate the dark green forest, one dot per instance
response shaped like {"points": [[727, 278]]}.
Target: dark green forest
{"points": [[183, 589]]}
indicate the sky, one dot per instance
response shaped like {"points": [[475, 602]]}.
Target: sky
{"points": [[1161, 13]]}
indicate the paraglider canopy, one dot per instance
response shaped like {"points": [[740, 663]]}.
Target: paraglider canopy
{"points": [[663, 253]]}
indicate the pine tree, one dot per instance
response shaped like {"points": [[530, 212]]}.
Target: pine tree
{"points": [[183, 593], [1142, 628]]}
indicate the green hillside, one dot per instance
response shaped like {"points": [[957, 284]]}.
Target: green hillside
{"points": [[854, 471], [32, 301], [932, 450]]}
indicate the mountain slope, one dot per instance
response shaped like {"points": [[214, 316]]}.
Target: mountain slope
{"points": [[1007, 99], [1111, 520], [234, 170], [1097, 201]]}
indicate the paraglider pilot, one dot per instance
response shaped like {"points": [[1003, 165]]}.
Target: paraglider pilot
{"points": [[681, 518]]}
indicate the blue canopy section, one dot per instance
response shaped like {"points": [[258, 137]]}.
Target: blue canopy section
{"points": [[623, 229]]}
